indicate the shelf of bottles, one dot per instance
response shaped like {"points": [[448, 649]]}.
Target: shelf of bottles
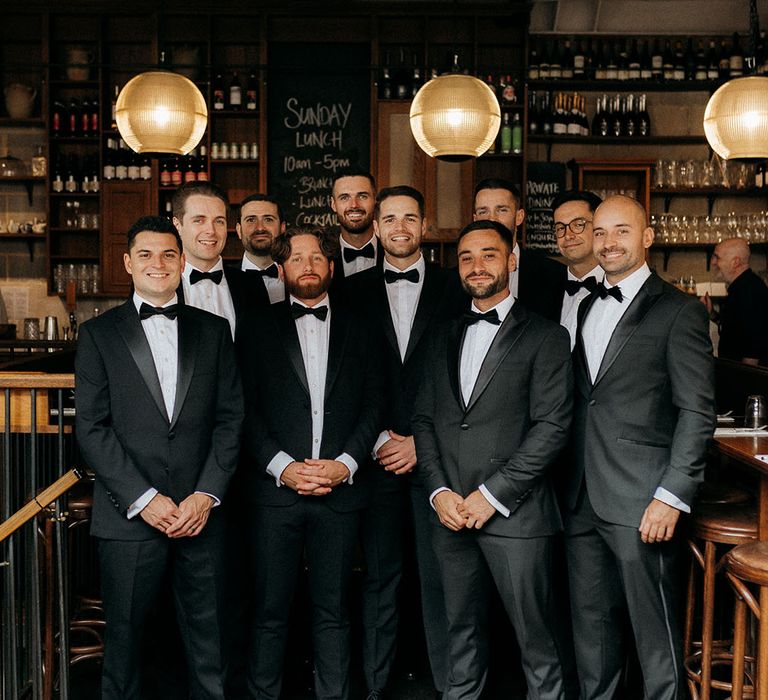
{"points": [[662, 62]]}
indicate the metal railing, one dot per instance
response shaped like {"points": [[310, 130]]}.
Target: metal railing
{"points": [[37, 449]]}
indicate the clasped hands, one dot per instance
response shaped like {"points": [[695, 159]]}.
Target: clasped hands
{"points": [[184, 520], [314, 477], [398, 454], [456, 512]]}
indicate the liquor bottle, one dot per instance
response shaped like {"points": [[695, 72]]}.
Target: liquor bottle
{"points": [[95, 181], [108, 171], [190, 169], [57, 179], [202, 165], [573, 123], [678, 72], [39, 163], [84, 120], [235, 92], [634, 62], [145, 168], [74, 117], [544, 62], [617, 117], [121, 161], [690, 60], [566, 61], [506, 135], [713, 61], [533, 62], [134, 167], [668, 66], [643, 118], [416, 81], [589, 62], [612, 64], [657, 61], [169, 210], [113, 124], [385, 89], [252, 93], [95, 116], [517, 134], [701, 63], [176, 176], [622, 61], [71, 179], [402, 89], [498, 89], [534, 127], [218, 92], [736, 58], [724, 63], [579, 60], [509, 94], [630, 119], [556, 63], [165, 174], [58, 118], [646, 65]]}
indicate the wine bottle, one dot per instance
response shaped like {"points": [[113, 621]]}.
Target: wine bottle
{"points": [[657, 61], [121, 161], [643, 118], [506, 135], [724, 63], [701, 63], [533, 62], [668, 67], [218, 92], [566, 61], [416, 81], [544, 62], [94, 118], [611, 64], [736, 58], [630, 117], [579, 60], [134, 167], [599, 117], [57, 179], [617, 118], [235, 92], [252, 93], [58, 118], [678, 72], [573, 123], [190, 169], [165, 174], [600, 60], [74, 117], [634, 61], [70, 181], [546, 118], [202, 165], [385, 88], [176, 175], [508, 93], [517, 134], [145, 168], [622, 62], [108, 172], [84, 118], [402, 89], [113, 125], [646, 65], [533, 114], [559, 123], [713, 61], [691, 59]]}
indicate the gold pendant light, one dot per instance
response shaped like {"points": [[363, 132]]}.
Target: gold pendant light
{"points": [[161, 112]]}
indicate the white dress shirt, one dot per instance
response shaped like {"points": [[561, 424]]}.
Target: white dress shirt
{"points": [[514, 277], [209, 296], [477, 341], [163, 337], [314, 337], [569, 311], [358, 264], [599, 325], [274, 285]]}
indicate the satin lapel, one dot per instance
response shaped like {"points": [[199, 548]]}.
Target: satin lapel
{"points": [[455, 343], [188, 336], [129, 327], [425, 310], [382, 304], [581, 369], [509, 333], [337, 342], [641, 304], [287, 328]]}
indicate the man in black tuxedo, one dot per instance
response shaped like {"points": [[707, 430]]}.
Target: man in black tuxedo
{"points": [[644, 413], [352, 200], [315, 397], [200, 216], [259, 223], [538, 281], [492, 414], [407, 299], [159, 409]]}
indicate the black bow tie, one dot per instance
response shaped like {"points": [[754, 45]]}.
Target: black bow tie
{"points": [[367, 251], [195, 276], [602, 291], [573, 286], [320, 312], [270, 271], [472, 317], [391, 276], [146, 311]]}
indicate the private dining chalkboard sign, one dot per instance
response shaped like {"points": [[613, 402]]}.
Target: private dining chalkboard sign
{"points": [[318, 124], [545, 182]]}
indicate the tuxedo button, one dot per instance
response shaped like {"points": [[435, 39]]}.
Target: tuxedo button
{"points": [[465, 426], [171, 435], [592, 402]]}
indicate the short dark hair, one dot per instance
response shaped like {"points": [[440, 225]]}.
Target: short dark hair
{"points": [[486, 224], [258, 197], [153, 224], [399, 191], [188, 189], [354, 171], [589, 198], [281, 246], [499, 183]]}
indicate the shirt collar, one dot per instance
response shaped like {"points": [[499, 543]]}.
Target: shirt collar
{"points": [[248, 264], [138, 301], [344, 244], [293, 300], [597, 272], [419, 265], [630, 286], [502, 308], [188, 267]]}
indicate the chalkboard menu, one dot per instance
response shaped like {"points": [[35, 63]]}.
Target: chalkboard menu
{"points": [[545, 182], [318, 124]]}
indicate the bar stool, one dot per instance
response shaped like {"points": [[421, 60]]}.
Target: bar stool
{"points": [[711, 526], [748, 564]]}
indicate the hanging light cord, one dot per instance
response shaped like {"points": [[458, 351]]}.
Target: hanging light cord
{"points": [[754, 35]]}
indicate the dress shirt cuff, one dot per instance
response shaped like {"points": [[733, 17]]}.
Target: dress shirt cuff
{"points": [[434, 493], [503, 510], [671, 500], [350, 463], [141, 503], [383, 439], [277, 466], [216, 501]]}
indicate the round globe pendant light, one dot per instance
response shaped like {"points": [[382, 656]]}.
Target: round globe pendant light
{"points": [[455, 117], [161, 112], [736, 118]]}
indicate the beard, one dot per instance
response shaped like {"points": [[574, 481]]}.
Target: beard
{"points": [[308, 288], [355, 226], [486, 289], [259, 246]]}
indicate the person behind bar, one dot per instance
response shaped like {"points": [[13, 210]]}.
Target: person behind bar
{"points": [[643, 415], [314, 406], [159, 408], [743, 316], [492, 413], [537, 281], [258, 225]]}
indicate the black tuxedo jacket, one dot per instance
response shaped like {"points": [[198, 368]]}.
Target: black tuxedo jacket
{"points": [[646, 420], [244, 291], [123, 431], [513, 427], [278, 408], [340, 282], [541, 284]]}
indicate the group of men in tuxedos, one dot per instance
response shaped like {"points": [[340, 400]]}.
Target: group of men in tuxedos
{"points": [[372, 398]]}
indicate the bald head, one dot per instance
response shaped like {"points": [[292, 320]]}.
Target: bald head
{"points": [[621, 236], [730, 259]]}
